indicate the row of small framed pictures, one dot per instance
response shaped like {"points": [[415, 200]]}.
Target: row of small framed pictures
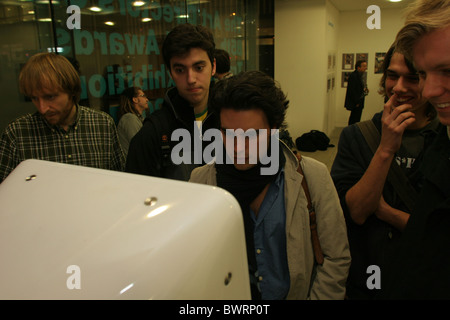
{"points": [[348, 63], [348, 60]]}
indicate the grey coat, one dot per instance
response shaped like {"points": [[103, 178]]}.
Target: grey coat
{"points": [[308, 280]]}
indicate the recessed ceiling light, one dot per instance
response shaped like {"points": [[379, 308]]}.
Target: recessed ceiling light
{"points": [[395, 0], [109, 23], [138, 3], [95, 9], [146, 19], [46, 2]]}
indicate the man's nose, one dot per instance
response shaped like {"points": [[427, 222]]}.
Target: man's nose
{"points": [[191, 76], [41, 105], [400, 86]]}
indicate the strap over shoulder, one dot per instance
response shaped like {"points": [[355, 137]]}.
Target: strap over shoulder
{"points": [[318, 254], [396, 176]]}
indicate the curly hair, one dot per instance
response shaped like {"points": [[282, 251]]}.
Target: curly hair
{"points": [[251, 90]]}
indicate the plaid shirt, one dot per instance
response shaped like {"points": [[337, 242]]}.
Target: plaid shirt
{"points": [[91, 141]]}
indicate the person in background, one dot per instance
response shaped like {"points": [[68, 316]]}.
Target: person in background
{"points": [[420, 268], [356, 92], [133, 103], [280, 252], [60, 130], [188, 53], [375, 214], [222, 64]]}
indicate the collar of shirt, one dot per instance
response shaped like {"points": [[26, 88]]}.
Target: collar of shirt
{"points": [[270, 243], [58, 128]]}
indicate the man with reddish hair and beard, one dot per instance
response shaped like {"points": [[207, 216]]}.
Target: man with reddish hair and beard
{"points": [[61, 130]]}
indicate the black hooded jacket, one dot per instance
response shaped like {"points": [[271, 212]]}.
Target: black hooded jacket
{"points": [[150, 149]]}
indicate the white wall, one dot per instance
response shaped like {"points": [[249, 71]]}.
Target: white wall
{"points": [[300, 62], [332, 31], [306, 32]]}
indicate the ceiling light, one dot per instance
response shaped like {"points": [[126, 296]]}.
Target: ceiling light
{"points": [[138, 3], [146, 19], [95, 9], [46, 2], [395, 0], [109, 23]]}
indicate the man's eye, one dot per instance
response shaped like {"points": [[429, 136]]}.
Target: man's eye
{"points": [[391, 75], [413, 78]]}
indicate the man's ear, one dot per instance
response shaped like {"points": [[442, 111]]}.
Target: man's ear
{"points": [[135, 99], [213, 67]]}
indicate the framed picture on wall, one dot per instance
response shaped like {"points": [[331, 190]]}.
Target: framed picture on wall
{"points": [[348, 61], [362, 56], [345, 76], [379, 59]]}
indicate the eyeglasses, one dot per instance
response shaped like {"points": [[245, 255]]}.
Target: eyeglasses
{"points": [[142, 95]]}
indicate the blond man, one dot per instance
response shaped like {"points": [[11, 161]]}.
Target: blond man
{"points": [[420, 270]]}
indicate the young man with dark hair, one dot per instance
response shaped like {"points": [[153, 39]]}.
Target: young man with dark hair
{"points": [[274, 205], [188, 53], [375, 213]]}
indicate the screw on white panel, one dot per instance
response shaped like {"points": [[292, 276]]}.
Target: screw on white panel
{"points": [[150, 201]]}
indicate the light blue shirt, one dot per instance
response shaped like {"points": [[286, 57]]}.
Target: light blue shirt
{"points": [[270, 243]]}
